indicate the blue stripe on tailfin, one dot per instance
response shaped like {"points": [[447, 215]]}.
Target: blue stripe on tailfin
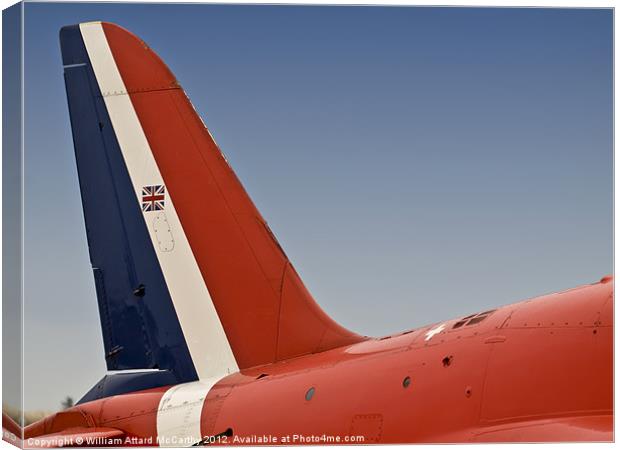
{"points": [[138, 320]]}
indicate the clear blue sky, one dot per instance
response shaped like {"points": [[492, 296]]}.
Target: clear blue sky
{"points": [[417, 164]]}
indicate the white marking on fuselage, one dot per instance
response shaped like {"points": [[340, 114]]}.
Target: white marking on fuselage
{"points": [[433, 331], [179, 413], [207, 342]]}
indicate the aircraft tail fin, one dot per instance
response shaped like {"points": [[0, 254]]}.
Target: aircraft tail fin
{"points": [[189, 276]]}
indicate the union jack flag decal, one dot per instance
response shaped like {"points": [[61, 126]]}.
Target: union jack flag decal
{"points": [[153, 198]]}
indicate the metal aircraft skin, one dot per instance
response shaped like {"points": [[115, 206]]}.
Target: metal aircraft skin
{"points": [[215, 340]]}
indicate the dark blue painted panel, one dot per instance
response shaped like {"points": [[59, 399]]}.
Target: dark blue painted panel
{"points": [[140, 329], [123, 383]]}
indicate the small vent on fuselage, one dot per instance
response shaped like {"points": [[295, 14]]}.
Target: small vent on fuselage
{"points": [[473, 319]]}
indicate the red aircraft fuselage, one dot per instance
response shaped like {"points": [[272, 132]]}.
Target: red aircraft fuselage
{"points": [[538, 370]]}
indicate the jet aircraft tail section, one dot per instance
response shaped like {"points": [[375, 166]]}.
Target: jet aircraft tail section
{"points": [[189, 277]]}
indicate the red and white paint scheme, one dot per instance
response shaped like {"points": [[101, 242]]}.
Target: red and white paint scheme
{"points": [[266, 364]]}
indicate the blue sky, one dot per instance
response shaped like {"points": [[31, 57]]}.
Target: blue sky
{"points": [[417, 164]]}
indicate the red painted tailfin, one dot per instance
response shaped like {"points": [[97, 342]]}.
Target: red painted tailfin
{"points": [[211, 242]]}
